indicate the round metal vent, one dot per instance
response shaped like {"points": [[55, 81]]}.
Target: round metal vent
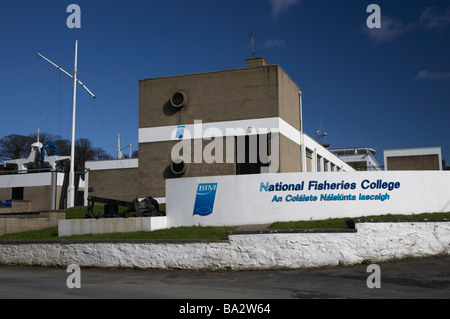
{"points": [[179, 167], [179, 99]]}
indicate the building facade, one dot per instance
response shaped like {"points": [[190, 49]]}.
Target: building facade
{"points": [[230, 122]]}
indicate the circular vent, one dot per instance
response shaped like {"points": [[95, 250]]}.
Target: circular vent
{"points": [[179, 167], [179, 99]]}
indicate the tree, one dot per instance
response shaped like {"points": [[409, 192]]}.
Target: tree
{"points": [[16, 146], [84, 151]]}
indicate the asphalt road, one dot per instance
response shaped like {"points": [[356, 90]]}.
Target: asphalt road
{"points": [[427, 278]]}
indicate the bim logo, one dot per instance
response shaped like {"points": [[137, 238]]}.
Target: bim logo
{"points": [[204, 202]]}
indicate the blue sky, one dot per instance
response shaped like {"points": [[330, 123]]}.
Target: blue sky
{"points": [[382, 88]]}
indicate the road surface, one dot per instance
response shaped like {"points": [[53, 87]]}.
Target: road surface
{"points": [[426, 278]]}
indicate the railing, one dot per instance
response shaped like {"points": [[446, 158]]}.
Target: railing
{"points": [[29, 171]]}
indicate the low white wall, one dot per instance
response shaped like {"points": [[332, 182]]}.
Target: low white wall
{"points": [[264, 198], [72, 227], [374, 241], [29, 180]]}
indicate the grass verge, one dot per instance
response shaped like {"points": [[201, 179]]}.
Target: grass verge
{"points": [[194, 232], [197, 232], [172, 233], [340, 222]]}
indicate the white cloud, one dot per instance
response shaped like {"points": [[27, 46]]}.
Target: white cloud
{"points": [[282, 6], [432, 19], [271, 43], [435, 76], [391, 29]]}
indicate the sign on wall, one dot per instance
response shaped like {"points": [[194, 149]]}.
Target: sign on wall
{"points": [[204, 200], [267, 198]]}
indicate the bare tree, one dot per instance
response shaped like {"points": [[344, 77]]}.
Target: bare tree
{"points": [[18, 146], [14, 146]]}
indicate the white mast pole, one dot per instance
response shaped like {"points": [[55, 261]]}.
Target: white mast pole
{"points": [[71, 196], [71, 190]]}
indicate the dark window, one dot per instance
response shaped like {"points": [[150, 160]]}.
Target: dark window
{"points": [[253, 155], [17, 193]]}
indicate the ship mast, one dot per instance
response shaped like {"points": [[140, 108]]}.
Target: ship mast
{"points": [[71, 191]]}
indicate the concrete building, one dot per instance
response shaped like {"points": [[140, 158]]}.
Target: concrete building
{"points": [[360, 158], [426, 158], [230, 122]]}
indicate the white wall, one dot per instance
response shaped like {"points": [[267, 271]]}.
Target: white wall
{"points": [[241, 199], [29, 180], [71, 227], [374, 241]]}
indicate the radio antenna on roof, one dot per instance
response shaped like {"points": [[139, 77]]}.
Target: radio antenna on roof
{"points": [[252, 34]]}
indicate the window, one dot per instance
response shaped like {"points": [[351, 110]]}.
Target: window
{"points": [[17, 193], [252, 153]]}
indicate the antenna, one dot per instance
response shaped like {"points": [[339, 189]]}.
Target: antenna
{"points": [[252, 34], [319, 136], [119, 151]]}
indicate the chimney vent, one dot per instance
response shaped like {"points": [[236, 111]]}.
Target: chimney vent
{"points": [[254, 62]]}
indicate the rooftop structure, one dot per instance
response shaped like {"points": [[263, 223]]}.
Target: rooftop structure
{"points": [[360, 158], [425, 158]]}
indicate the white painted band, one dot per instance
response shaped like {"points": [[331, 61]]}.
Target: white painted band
{"points": [[209, 130]]}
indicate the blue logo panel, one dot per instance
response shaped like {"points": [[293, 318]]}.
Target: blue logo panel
{"points": [[204, 201], [180, 132]]}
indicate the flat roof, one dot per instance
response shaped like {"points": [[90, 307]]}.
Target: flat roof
{"points": [[373, 151], [219, 71], [413, 151]]}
